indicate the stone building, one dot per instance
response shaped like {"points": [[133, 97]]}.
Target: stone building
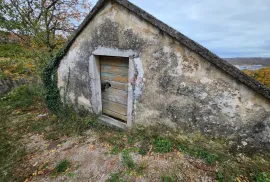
{"points": [[129, 67]]}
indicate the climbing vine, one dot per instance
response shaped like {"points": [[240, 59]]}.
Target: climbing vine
{"points": [[50, 79]]}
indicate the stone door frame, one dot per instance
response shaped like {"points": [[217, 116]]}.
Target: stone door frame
{"points": [[95, 83]]}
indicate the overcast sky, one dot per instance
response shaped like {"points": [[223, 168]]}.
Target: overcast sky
{"points": [[229, 28]]}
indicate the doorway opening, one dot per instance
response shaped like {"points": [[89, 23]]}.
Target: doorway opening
{"points": [[114, 75]]}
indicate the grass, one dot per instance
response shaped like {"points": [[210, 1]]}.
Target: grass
{"points": [[167, 179], [198, 152], [162, 145], [12, 151], [16, 62], [231, 167], [115, 177], [61, 167], [19, 112], [127, 160], [131, 168], [14, 51], [23, 97], [262, 177], [113, 139], [211, 151]]}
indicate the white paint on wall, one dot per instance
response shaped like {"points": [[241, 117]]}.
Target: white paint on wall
{"points": [[167, 49], [206, 80], [139, 80], [203, 95], [228, 103], [84, 102]]}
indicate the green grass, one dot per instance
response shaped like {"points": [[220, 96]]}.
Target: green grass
{"points": [[262, 177], [23, 96], [61, 167], [127, 160], [14, 51], [167, 179], [70, 125], [115, 139], [115, 177], [12, 151], [162, 145], [131, 167], [200, 153]]}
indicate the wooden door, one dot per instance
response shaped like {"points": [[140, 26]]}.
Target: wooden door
{"points": [[114, 70]]}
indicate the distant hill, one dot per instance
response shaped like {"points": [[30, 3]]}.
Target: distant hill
{"points": [[249, 61]]}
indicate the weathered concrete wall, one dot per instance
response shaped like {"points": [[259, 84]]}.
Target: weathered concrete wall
{"points": [[180, 88]]}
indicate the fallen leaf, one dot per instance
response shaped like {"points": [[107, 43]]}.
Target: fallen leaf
{"points": [[91, 147], [179, 154]]}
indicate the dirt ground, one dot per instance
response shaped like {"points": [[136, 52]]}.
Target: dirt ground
{"points": [[34, 142], [91, 161]]}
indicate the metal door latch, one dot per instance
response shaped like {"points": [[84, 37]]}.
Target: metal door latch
{"points": [[105, 85]]}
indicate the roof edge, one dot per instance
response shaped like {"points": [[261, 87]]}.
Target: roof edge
{"points": [[192, 45]]}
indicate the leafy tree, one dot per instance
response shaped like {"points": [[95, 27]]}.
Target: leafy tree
{"points": [[42, 24], [262, 75]]}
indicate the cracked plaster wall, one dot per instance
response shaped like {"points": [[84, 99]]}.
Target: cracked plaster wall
{"points": [[180, 88]]}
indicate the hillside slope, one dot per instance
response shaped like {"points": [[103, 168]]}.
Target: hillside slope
{"points": [[249, 61]]}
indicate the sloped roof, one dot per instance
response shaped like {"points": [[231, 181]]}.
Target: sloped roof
{"points": [[192, 45]]}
